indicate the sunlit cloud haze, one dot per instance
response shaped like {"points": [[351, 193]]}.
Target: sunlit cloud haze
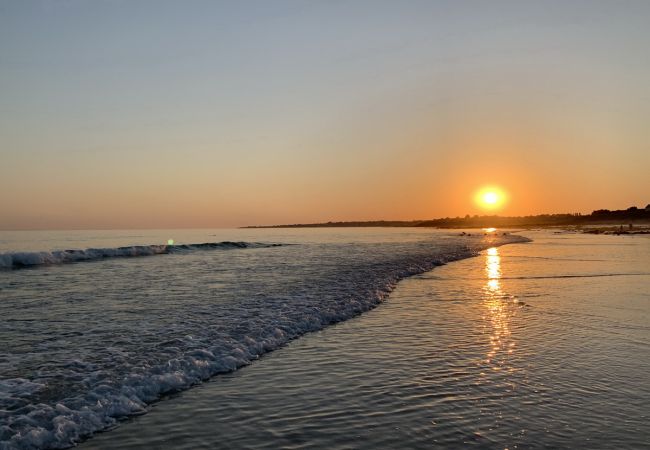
{"points": [[205, 114]]}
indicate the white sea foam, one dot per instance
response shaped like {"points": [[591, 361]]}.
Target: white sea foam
{"points": [[72, 397], [18, 260]]}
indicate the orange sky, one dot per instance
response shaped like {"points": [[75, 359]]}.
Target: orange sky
{"points": [[118, 115]]}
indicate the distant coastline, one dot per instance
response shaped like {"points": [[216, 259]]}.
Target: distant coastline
{"points": [[630, 216]]}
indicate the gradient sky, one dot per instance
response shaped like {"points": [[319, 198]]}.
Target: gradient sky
{"points": [[120, 114]]}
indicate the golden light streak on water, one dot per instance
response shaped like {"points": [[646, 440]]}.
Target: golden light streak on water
{"points": [[499, 312]]}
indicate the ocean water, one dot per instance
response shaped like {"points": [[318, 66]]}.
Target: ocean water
{"points": [[537, 345], [98, 325]]}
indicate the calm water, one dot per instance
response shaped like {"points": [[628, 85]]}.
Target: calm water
{"points": [[91, 335], [537, 345]]}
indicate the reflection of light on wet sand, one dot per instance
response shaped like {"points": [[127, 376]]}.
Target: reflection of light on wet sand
{"points": [[499, 311]]}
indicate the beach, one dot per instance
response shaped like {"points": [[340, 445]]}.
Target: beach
{"points": [[537, 345], [99, 325], [324, 225]]}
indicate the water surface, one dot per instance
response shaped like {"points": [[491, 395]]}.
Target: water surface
{"points": [[96, 334], [538, 345]]}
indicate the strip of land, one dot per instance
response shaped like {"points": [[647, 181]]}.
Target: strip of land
{"points": [[625, 221]]}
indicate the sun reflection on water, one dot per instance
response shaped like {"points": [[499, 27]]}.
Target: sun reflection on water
{"points": [[499, 311], [493, 269]]}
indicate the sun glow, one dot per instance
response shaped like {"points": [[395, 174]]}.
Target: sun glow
{"points": [[490, 198]]}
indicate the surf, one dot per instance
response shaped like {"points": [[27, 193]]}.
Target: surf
{"points": [[20, 260]]}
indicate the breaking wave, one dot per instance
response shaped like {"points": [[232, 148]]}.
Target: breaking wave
{"points": [[84, 378], [19, 260]]}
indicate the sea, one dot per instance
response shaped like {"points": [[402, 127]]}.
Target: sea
{"points": [[324, 338]]}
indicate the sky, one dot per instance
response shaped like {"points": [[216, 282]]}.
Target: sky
{"points": [[167, 114]]}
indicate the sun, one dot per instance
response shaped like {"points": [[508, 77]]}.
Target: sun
{"points": [[490, 198]]}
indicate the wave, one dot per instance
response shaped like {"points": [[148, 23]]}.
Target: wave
{"points": [[122, 377], [20, 260], [593, 275]]}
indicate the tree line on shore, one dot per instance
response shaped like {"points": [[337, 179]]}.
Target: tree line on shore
{"points": [[600, 216]]}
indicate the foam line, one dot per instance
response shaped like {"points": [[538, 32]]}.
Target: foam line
{"points": [[19, 260]]}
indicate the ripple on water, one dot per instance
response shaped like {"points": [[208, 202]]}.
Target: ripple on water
{"points": [[449, 360], [108, 337]]}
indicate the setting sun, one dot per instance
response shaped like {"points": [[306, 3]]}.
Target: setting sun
{"points": [[490, 198], [229, 177]]}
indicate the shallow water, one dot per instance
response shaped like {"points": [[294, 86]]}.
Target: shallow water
{"points": [[93, 336], [537, 345]]}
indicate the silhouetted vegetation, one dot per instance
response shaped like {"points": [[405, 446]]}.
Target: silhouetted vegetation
{"points": [[601, 216]]}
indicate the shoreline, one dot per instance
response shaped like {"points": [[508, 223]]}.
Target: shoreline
{"points": [[172, 394], [455, 356], [602, 217], [194, 365], [87, 440], [607, 228]]}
